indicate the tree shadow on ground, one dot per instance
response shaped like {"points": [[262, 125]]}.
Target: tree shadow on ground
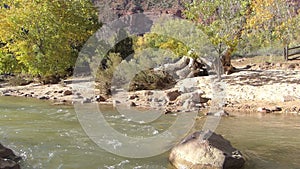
{"points": [[261, 78]]}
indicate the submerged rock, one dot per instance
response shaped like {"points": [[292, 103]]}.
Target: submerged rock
{"points": [[8, 159], [206, 149]]}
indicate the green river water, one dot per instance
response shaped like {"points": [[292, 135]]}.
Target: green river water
{"points": [[50, 137]]}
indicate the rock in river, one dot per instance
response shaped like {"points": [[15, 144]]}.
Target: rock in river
{"points": [[8, 160], [206, 149]]}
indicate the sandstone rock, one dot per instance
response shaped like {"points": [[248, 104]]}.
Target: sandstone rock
{"points": [[292, 66], [48, 92], [67, 92], [173, 95], [206, 149], [44, 98], [204, 100], [183, 73], [188, 105], [148, 93], [180, 64], [195, 96], [275, 108], [100, 98], [155, 99], [133, 97], [263, 110], [79, 97], [132, 104], [162, 99], [269, 110], [167, 111], [8, 160], [182, 89], [86, 100], [6, 94]]}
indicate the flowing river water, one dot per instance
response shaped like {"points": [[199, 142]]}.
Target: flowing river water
{"points": [[50, 137]]}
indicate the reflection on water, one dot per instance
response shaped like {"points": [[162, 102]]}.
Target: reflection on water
{"points": [[49, 136]]}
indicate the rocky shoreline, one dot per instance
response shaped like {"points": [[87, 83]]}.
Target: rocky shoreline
{"points": [[261, 88], [246, 91], [264, 91]]}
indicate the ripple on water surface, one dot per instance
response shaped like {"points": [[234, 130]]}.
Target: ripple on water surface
{"points": [[48, 137]]}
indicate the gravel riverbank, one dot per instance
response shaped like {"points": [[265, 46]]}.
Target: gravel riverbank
{"points": [[262, 88]]}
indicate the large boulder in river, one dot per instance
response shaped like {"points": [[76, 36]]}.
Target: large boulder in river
{"points": [[8, 159], [206, 149]]}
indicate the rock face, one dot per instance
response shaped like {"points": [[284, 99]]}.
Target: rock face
{"points": [[113, 9], [206, 149], [8, 160]]}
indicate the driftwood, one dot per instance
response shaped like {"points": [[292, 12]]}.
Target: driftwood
{"points": [[185, 67]]}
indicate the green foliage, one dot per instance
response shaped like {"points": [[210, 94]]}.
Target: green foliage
{"points": [[19, 80], [156, 41], [221, 20], [177, 36], [8, 63], [106, 72], [151, 80], [45, 36], [245, 24]]}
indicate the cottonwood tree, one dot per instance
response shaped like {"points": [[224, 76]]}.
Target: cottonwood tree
{"points": [[227, 22], [44, 36]]}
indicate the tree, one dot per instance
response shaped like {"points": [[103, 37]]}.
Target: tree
{"points": [[45, 36], [273, 21], [227, 22]]}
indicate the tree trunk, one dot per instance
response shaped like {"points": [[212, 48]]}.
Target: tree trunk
{"points": [[226, 55], [226, 60]]}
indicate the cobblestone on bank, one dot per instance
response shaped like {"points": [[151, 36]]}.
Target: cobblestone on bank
{"points": [[190, 94]]}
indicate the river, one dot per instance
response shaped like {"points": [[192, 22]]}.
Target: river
{"points": [[51, 137]]}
